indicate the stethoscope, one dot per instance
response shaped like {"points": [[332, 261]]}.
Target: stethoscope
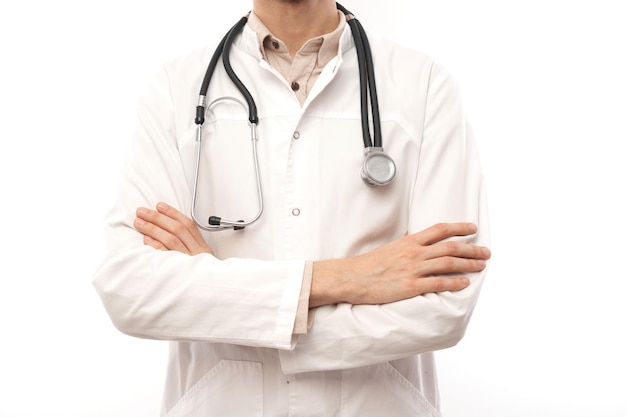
{"points": [[378, 167]]}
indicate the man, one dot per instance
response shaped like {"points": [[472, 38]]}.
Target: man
{"points": [[333, 302]]}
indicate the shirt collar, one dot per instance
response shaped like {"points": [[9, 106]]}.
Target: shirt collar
{"points": [[326, 46]]}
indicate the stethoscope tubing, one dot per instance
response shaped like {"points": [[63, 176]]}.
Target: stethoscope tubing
{"points": [[375, 158], [367, 84], [217, 223], [225, 45], [367, 79]]}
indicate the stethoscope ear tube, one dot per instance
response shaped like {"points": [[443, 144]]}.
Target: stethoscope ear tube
{"points": [[201, 107], [252, 111], [225, 43], [216, 223]]}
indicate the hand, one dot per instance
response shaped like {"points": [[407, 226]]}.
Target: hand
{"points": [[413, 265], [169, 229]]}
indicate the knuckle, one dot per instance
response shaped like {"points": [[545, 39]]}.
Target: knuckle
{"points": [[188, 222], [451, 247], [139, 224], [411, 252], [439, 284], [164, 208], [178, 228], [441, 228], [478, 264], [150, 215], [449, 263], [170, 242], [144, 227]]}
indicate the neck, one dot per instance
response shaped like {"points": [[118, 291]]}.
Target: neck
{"points": [[296, 21]]}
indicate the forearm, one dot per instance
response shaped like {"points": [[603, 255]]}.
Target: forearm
{"points": [[328, 283], [347, 336], [413, 265], [173, 296]]}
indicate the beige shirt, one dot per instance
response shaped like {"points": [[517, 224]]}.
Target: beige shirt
{"points": [[301, 72], [304, 68]]}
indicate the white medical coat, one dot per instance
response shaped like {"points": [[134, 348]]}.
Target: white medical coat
{"points": [[230, 317]]}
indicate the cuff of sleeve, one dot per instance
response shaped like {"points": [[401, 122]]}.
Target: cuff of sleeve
{"points": [[304, 320]]}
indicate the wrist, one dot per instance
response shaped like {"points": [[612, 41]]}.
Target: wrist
{"points": [[328, 285]]}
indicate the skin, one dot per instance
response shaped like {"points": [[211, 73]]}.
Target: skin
{"points": [[296, 21], [416, 264], [413, 265]]}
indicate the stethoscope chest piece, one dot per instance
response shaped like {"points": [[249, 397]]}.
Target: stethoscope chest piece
{"points": [[378, 167]]}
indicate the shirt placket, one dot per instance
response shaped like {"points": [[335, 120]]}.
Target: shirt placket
{"points": [[302, 67]]}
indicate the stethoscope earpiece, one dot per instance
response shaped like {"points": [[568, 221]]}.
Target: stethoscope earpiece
{"points": [[217, 223], [378, 167]]}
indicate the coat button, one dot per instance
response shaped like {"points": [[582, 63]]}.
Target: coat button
{"points": [[295, 86], [275, 44], [296, 135], [295, 212]]}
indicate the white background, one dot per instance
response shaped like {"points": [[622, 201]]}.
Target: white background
{"points": [[544, 83]]}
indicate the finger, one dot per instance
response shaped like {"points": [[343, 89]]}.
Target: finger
{"points": [[166, 239], [441, 284], [187, 222], [147, 240], [443, 231], [450, 265], [170, 212], [176, 231], [455, 249], [194, 240]]}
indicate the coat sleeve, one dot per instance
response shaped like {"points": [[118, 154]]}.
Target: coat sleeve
{"points": [[449, 187], [169, 295]]}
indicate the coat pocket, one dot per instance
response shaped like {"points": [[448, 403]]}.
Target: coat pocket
{"points": [[380, 390], [230, 388]]}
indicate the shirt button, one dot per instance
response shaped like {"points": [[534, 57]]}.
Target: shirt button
{"points": [[295, 212], [275, 44], [296, 135], [295, 86]]}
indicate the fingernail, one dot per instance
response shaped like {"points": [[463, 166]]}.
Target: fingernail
{"points": [[162, 206], [465, 281], [486, 252], [142, 210], [482, 263], [473, 228], [139, 222]]}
